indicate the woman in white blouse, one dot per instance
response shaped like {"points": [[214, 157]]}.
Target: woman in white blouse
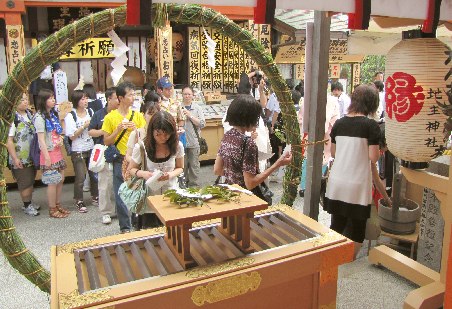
{"points": [[165, 156]]}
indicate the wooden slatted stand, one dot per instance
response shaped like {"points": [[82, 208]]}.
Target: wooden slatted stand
{"points": [[235, 217]]}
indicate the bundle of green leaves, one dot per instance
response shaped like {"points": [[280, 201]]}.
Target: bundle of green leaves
{"points": [[197, 196]]}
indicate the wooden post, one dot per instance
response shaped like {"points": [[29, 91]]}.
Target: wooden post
{"points": [[317, 111]]}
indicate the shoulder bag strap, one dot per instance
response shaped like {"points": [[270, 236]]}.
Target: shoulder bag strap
{"points": [[244, 146], [257, 161], [124, 131], [144, 161], [194, 127]]}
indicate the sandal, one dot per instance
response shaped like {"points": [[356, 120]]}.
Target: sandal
{"points": [[55, 213], [61, 209]]}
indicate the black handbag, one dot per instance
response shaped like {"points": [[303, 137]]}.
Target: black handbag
{"points": [[112, 152], [203, 148], [262, 191]]}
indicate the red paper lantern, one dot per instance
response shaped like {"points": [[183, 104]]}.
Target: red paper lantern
{"points": [[417, 76]]}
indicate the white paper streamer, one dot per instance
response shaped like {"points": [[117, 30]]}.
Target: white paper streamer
{"points": [[119, 52], [211, 44]]}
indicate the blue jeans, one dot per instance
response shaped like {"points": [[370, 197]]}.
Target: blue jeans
{"points": [[121, 209]]}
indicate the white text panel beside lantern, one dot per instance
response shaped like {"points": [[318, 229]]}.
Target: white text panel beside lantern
{"points": [[417, 80]]}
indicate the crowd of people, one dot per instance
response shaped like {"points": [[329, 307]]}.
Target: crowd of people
{"points": [[167, 128], [166, 132]]}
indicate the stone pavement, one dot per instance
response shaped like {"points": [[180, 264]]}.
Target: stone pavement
{"points": [[360, 285]]}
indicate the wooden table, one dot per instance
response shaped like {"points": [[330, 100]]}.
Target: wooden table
{"points": [[235, 222]]}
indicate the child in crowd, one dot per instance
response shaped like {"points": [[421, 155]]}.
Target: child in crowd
{"points": [[18, 145], [49, 130], [77, 122]]}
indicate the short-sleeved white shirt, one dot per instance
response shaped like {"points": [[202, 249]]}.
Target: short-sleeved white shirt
{"points": [[83, 142], [273, 104], [166, 166]]}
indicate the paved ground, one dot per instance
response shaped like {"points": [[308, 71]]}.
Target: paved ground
{"points": [[360, 285]]}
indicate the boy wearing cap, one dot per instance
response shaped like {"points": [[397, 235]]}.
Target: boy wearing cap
{"points": [[115, 122]]}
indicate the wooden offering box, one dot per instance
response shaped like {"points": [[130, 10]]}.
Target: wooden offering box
{"points": [[294, 265]]}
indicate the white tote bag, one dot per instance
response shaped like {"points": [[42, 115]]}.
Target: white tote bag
{"points": [[97, 160]]}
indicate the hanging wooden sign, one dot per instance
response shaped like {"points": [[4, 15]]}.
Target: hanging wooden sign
{"points": [[232, 62], [15, 48], [265, 37], [93, 48], [236, 67], [299, 71], [254, 30], [230, 59], [217, 76], [206, 71], [334, 70], [226, 64], [356, 75], [338, 47], [164, 52], [58, 17], [194, 56]]}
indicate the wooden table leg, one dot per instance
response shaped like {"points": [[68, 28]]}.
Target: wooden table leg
{"points": [[228, 225], [237, 229], [246, 233], [185, 242], [178, 240]]}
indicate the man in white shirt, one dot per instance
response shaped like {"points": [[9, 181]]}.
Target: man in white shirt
{"points": [[380, 116], [343, 100]]}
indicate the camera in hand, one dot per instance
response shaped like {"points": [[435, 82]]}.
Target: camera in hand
{"points": [[258, 77]]}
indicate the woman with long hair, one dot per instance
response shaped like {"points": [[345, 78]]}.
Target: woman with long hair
{"points": [[164, 154], [49, 130], [149, 108]]}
